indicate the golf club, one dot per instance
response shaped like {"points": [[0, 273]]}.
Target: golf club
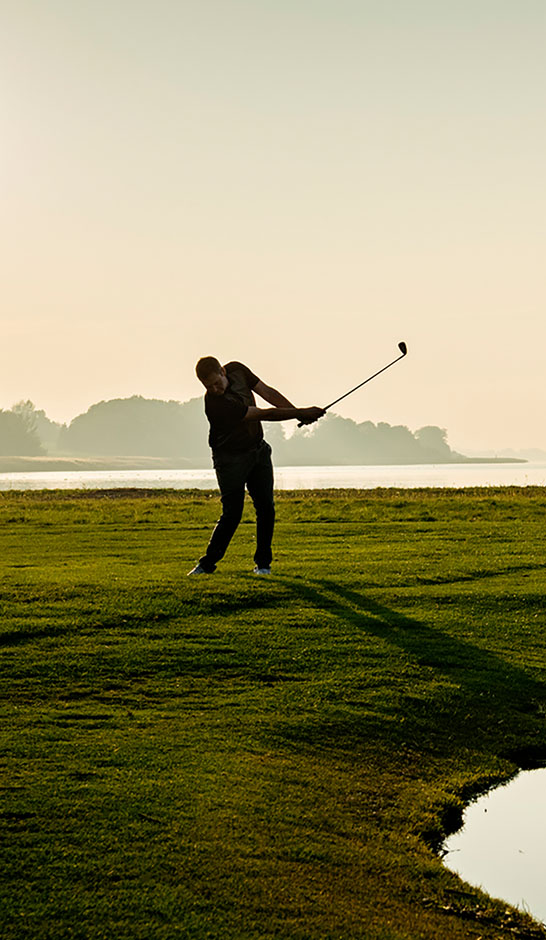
{"points": [[403, 349]]}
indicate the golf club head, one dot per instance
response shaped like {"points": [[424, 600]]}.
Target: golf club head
{"points": [[403, 348]]}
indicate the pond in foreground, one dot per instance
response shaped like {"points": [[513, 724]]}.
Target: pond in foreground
{"points": [[502, 845]]}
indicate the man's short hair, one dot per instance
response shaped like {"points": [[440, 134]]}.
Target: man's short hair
{"points": [[206, 366]]}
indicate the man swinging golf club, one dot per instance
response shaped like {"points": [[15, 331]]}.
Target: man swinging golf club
{"points": [[240, 455]]}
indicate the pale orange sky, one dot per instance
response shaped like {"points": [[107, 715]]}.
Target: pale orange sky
{"points": [[299, 185]]}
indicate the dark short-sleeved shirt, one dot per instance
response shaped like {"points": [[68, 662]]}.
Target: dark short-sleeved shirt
{"points": [[229, 433]]}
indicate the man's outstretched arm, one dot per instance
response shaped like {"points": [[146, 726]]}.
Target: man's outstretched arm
{"points": [[304, 415], [271, 395]]}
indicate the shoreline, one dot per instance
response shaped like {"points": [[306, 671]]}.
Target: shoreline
{"points": [[75, 464]]}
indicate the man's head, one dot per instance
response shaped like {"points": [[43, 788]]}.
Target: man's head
{"points": [[212, 374]]}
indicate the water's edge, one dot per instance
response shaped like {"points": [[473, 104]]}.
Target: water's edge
{"points": [[403, 476], [494, 838]]}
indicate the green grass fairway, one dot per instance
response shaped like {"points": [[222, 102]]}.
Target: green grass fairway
{"points": [[252, 758]]}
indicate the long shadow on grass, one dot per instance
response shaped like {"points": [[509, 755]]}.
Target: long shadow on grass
{"points": [[481, 574], [488, 700], [92, 618]]}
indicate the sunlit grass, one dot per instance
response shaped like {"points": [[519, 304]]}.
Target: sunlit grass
{"points": [[232, 756]]}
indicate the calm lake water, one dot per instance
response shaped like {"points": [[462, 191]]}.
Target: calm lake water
{"points": [[287, 478], [502, 845]]}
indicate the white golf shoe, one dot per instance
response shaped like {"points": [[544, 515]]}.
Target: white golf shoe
{"points": [[197, 570]]}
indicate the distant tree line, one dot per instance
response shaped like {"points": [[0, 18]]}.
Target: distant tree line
{"points": [[138, 426], [145, 427], [335, 440]]}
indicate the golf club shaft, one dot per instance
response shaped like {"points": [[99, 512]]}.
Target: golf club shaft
{"points": [[341, 397], [403, 349]]}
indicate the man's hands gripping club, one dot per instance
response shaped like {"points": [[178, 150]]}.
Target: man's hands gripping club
{"points": [[310, 415]]}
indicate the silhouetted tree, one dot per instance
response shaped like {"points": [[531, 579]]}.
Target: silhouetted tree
{"points": [[433, 442], [37, 421], [17, 439]]}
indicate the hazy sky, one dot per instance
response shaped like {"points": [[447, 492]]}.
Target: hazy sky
{"points": [[298, 184]]}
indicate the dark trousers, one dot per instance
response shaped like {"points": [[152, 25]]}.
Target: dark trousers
{"points": [[233, 472]]}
